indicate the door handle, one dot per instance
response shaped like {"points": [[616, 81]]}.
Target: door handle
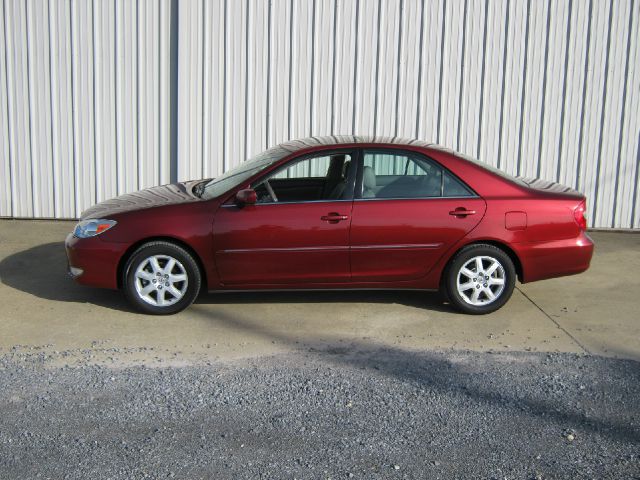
{"points": [[334, 217], [462, 212]]}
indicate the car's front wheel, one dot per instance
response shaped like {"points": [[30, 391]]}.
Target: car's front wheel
{"points": [[161, 278], [480, 279]]}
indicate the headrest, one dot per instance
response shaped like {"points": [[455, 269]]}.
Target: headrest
{"points": [[368, 178]]}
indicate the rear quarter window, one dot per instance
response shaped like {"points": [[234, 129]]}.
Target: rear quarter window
{"points": [[453, 187], [493, 170]]}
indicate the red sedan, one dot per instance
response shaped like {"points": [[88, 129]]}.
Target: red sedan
{"points": [[334, 213]]}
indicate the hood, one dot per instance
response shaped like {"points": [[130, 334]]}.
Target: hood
{"points": [[550, 187], [171, 194]]}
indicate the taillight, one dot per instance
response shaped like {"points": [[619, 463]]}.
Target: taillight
{"points": [[578, 215]]}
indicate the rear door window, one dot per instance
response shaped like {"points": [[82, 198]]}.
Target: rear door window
{"points": [[407, 175]]}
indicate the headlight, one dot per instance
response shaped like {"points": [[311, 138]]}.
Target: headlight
{"points": [[91, 228]]}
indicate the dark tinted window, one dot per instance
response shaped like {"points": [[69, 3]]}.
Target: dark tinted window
{"points": [[454, 188], [402, 175]]}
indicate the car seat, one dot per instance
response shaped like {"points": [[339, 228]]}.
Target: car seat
{"points": [[368, 183]]}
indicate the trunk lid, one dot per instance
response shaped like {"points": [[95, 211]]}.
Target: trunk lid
{"points": [[553, 188]]}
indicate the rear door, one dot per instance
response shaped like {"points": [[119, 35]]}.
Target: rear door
{"points": [[407, 212]]}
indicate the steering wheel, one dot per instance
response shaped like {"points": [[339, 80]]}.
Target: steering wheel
{"points": [[270, 190]]}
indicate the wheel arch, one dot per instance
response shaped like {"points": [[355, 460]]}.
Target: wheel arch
{"points": [[176, 241], [501, 245]]}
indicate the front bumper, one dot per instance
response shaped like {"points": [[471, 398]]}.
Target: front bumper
{"points": [[93, 262]]}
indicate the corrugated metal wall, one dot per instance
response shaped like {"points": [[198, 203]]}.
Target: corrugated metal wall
{"points": [[547, 88], [84, 102]]}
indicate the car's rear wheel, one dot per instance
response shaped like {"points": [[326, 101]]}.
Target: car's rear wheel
{"points": [[161, 278], [480, 279]]}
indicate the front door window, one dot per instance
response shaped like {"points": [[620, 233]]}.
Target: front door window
{"points": [[311, 179]]}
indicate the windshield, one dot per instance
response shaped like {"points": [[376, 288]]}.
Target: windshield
{"points": [[234, 177]]}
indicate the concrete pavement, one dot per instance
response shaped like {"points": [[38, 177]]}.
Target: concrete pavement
{"points": [[43, 310]]}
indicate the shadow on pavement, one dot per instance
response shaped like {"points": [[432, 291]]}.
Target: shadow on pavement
{"points": [[42, 271], [418, 299], [436, 371]]}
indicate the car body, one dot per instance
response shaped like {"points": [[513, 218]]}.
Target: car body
{"points": [[352, 212]]}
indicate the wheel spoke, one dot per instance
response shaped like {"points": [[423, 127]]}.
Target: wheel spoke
{"points": [[144, 275], [147, 289], [175, 292], [180, 277], [490, 295], [475, 295], [465, 286], [494, 266], [496, 281], [155, 265], [161, 299], [467, 273], [478, 264], [169, 266]]}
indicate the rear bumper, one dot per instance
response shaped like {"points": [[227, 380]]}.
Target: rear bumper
{"points": [[93, 262], [542, 260]]}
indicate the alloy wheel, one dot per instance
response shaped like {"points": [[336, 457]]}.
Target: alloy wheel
{"points": [[481, 280], [161, 280]]}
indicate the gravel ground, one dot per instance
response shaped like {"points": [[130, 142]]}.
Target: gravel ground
{"points": [[351, 412]]}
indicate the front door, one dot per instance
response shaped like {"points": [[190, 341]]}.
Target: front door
{"points": [[404, 219], [297, 233]]}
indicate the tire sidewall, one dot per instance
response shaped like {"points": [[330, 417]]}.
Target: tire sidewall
{"points": [[162, 248], [463, 257]]}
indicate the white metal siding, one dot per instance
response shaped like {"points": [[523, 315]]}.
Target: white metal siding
{"points": [[84, 102], [546, 88]]}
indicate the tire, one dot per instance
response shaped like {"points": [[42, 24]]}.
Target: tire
{"points": [[153, 289], [471, 293]]}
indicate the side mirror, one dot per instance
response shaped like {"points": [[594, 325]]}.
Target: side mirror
{"points": [[246, 197]]}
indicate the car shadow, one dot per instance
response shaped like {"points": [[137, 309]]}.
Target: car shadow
{"points": [[42, 271], [417, 299]]}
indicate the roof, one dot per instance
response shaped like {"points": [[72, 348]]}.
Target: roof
{"points": [[310, 142]]}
